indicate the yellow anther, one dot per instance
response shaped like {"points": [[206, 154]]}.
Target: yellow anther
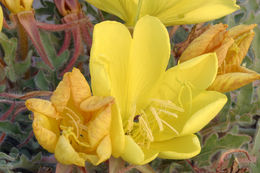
{"points": [[168, 113], [168, 125], [146, 127], [75, 123], [168, 104], [157, 118]]}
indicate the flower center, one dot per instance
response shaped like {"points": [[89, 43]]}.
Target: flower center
{"points": [[72, 126], [143, 122]]}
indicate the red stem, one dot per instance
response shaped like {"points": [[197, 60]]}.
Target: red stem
{"points": [[86, 36], [26, 140], [2, 137], [23, 108], [7, 26], [66, 42], [7, 113], [224, 155], [61, 27], [77, 44]]}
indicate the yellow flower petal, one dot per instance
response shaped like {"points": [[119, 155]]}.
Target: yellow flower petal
{"points": [[148, 58], [117, 132], [13, 6], [146, 48], [234, 80], [66, 154], [110, 40], [46, 131], [103, 152], [170, 12], [99, 126], [41, 106], [184, 147], [79, 86], [133, 153], [27, 4], [200, 72], [149, 155], [61, 95], [190, 12], [205, 107], [126, 10], [95, 103]]}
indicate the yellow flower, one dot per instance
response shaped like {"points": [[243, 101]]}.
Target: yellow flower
{"points": [[74, 125], [231, 48], [16, 6], [170, 12], [156, 112]]}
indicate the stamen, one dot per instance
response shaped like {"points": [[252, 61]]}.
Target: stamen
{"points": [[168, 113], [75, 123], [80, 143], [73, 113], [146, 127], [157, 118], [168, 125], [169, 104]]}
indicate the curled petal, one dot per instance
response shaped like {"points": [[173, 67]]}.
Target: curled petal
{"points": [[234, 80], [61, 95], [46, 131], [240, 30], [95, 103], [240, 48], [66, 154], [205, 43], [103, 152], [99, 126], [41, 106], [79, 86]]}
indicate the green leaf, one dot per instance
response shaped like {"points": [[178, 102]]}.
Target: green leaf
{"points": [[22, 66], [57, 61], [256, 147], [244, 99], [9, 46], [6, 157], [10, 128], [41, 82], [213, 144]]}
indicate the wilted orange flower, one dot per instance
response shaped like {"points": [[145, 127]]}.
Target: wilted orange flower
{"points": [[231, 48]]}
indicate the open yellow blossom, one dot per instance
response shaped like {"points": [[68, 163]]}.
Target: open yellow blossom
{"points": [[170, 12], [74, 125], [231, 48], [16, 6], [156, 112]]}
